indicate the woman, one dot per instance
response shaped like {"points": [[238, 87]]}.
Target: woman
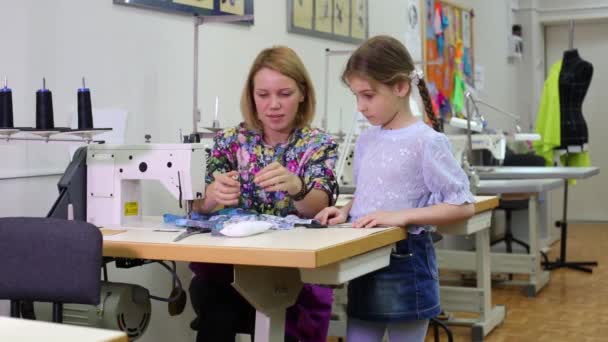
{"points": [[272, 163]]}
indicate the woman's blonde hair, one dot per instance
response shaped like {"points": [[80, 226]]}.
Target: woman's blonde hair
{"points": [[285, 61]]}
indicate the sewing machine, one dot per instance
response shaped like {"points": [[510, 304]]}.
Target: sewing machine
{"points": [[115, 172], [344, 166], [495, 143]]}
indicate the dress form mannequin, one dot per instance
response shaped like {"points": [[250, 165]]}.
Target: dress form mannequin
{"points": [[574, 80]]}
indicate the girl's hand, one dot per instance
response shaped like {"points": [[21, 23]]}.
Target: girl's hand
{"points": [[225, 189], [382, 218], [331, 216], [275, 177]]}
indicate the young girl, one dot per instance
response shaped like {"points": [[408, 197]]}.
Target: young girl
{"points": [[405, 175]]}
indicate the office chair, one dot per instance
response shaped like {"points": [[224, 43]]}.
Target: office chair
{"points": [[512, 159], [49, 260]]}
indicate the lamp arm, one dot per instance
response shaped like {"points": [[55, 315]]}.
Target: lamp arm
{"points": [[514, 117]]}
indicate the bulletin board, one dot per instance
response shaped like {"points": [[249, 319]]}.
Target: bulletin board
{"points": [[448, 55]]}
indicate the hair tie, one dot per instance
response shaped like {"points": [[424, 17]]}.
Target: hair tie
{"points": [[415, 76]]}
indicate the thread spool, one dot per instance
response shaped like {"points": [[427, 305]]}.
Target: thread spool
{"points": [[6, 107], [85, 113], [44, 108]]}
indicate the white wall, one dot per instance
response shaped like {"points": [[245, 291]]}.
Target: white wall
{"points": [[142, 61]]}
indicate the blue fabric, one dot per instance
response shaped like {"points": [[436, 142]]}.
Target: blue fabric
{"points": [[445, 21], [408, 289], [218, 220], [171, 218]]}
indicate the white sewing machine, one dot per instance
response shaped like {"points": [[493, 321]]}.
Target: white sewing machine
{"points": [[115, 172], [495, 143]]}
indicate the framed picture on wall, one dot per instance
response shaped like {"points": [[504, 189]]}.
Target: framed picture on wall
{"points": [[341, 17], [341, 20], [302, 14], [195, 7], [323, 13], [358, 19]]}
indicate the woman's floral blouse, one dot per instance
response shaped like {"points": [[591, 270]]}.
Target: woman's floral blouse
{"points": [[309, 153]]}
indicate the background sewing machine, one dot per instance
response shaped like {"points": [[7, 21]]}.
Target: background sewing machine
{"points": [[475, 126], [495, 143]]}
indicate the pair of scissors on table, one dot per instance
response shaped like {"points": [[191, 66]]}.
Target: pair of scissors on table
{"points": [[193, 228]]}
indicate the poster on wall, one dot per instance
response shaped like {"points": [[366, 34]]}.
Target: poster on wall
{"points": [[341, 20], [341, 17], [196, 7], [413, 40], [323, 13], [233, 6], [358, 19], [302, 14]]}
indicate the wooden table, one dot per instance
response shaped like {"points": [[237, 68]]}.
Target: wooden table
{"points": [[270, 268]]}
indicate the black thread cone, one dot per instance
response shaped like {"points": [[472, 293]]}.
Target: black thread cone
{"points": [[44, 110], [6, 108], [85, 114]]}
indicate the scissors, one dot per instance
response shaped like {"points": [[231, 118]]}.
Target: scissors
{"points": [[312, 224], [191, 231]]}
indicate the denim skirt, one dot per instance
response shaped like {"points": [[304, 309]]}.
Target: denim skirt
{"points": [[407, 289]]}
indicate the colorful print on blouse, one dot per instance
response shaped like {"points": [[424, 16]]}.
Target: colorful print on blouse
{"points": [[309, 153]]}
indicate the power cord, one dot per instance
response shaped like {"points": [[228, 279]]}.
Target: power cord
{"points": [[177, 284]]}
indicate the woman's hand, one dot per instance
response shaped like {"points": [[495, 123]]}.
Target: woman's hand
{"points": [[331, 216], [382, 218], [226, 189], [275, 177]]}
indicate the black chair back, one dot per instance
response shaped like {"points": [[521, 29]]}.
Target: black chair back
{"points": [[50, 260]]}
